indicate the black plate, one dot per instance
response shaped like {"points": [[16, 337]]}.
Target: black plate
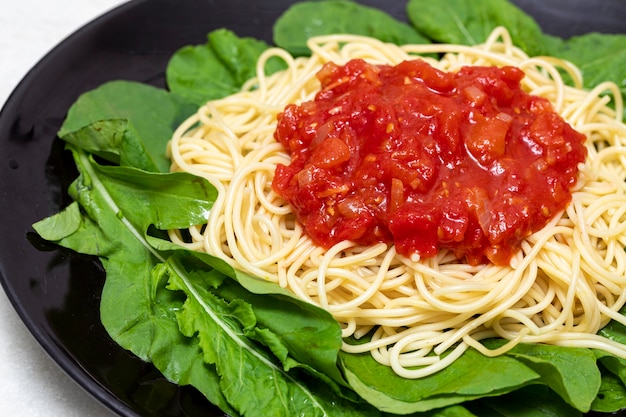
{"points": [[56, 292]]}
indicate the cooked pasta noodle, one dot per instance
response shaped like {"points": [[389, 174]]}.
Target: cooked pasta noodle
{"points": [[567, 281]]}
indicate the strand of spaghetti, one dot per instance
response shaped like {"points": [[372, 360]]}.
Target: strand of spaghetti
{"points": [[530, 66], [594, 95], [511, 343], [524, 281], [591, 341], [262, 79], [500, 37], [442, 363]]}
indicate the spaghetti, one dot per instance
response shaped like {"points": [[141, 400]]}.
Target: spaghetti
{"points": [[564, 284]]}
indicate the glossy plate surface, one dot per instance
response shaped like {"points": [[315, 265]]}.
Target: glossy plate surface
{"points": [[57, 292]]}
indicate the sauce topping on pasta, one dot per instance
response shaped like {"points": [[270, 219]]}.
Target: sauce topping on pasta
{"points": [[426, 159]]}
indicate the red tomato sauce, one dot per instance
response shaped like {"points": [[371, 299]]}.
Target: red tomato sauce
{"points": [[426, 159]]}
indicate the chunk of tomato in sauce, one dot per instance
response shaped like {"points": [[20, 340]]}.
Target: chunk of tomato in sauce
{"points": [[426, 159]]}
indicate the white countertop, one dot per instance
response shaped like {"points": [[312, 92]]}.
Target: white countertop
{"points": [[32, 384]]}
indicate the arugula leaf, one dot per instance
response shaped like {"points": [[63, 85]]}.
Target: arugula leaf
{"points": [[453, 411], [114, 140], [98, 123], [529, 401], [612, 395], [312, 336], [63, 224], [160, 197], [570, 372], [224, 329], [136, 309], [220, 67], [314, 18], [470, 377], [469, 22]]}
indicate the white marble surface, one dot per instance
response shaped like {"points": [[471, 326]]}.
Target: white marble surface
{"points": [[31, 384]]}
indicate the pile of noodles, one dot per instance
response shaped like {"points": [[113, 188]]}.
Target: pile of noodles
{"points": [[566, 283]]}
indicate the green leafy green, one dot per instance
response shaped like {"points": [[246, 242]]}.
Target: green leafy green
{"points": [[570, 372], [316, 345], [62, 224], [469, 22], [136, 310], [469, 377], [199, 73], [226, 330], [529, 401], [611, 396], [306, 19], [454, 411], [99, 123]]}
